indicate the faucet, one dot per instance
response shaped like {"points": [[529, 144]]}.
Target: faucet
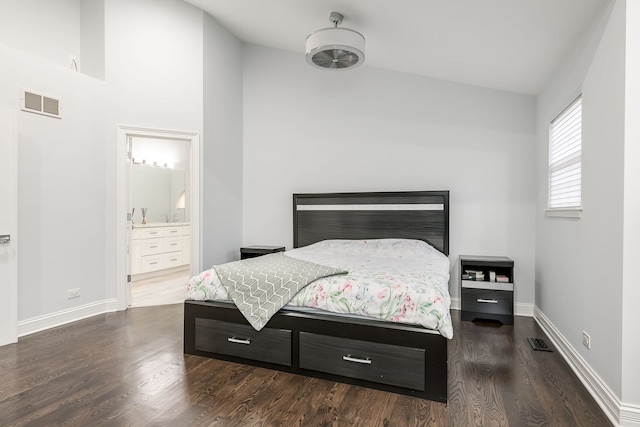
{"points": [[175, 217], [166, 217]]}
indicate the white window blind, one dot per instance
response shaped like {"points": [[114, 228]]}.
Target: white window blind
{"points": [[565, 158]]}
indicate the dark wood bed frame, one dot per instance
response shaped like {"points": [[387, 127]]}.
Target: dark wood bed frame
{"points": [[398, 358]]}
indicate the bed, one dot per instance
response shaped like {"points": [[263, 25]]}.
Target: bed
{"points": [[387, 355]]}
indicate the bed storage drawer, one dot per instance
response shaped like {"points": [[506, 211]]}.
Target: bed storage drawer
{"points": [[267, 345], [382, 363]]}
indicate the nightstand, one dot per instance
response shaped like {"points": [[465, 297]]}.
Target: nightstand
{"points": [[254, 251], [487, 288]]}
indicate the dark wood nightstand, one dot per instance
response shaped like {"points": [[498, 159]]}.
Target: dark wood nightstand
{"points": [[254, 251], [487, 288]]}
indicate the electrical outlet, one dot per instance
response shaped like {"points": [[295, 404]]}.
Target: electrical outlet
{"points": [[73, 293], [586, 340]]}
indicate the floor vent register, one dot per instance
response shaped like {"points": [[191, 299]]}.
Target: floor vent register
{"points": [[539, 344]]}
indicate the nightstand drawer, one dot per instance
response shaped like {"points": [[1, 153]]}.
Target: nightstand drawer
{"points": [[267, 345], [382, 363], [487, 301]]}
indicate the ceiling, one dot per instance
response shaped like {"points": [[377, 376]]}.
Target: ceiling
{"points": [[511, 45]]}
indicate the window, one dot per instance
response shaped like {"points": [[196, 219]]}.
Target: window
{"points": [[565, 162]]}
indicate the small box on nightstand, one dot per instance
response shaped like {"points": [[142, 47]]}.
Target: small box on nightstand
{"points": [[254, 251], [486, 288]]}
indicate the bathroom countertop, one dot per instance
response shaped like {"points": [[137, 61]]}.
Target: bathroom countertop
{"points": [[160, 224]]}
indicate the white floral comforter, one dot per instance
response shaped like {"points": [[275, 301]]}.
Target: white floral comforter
{"points": [[399, 280]]}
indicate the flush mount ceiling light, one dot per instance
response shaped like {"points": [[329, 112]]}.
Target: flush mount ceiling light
{"points": [[335, 48]]}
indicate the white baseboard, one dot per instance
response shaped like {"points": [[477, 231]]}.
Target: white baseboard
{"points": [[629, 415], [519, 309], [522, 309], [620, 414], [59, 318]]}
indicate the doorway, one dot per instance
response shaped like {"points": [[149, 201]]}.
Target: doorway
{"points": [[160, 234], [158, 215], [8, 227]]}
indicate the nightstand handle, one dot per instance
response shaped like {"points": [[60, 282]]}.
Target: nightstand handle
{"points": [[239, 340], [490, 301]]}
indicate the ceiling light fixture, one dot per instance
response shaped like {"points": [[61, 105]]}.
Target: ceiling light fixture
{"points": [[335, 48]]}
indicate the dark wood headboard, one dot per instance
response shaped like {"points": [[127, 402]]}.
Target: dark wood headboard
{"points": [[421, 215]]}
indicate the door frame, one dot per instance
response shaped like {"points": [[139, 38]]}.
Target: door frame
{"points": [[9, 303], [124, 135]]}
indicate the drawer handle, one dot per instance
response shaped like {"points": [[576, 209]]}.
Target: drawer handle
{"points": [[152, 263], [173, 244], [355, 359], [235, 340], [173, 259], [490, 301], [151, 247], [153, 232]]}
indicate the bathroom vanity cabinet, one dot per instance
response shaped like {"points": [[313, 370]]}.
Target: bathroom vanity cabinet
{"points": [[159, 246]]}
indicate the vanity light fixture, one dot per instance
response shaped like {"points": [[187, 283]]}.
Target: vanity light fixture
{"points": [[154, 163]]}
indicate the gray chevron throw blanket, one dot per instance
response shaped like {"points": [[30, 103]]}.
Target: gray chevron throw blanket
{"points": [[263, 285]]}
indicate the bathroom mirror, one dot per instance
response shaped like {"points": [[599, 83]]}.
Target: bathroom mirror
{"points": [[158, 189]]}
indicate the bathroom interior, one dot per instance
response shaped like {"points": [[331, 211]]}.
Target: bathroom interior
{"points": [[160, 231]]}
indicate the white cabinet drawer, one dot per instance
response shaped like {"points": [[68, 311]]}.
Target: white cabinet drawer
{"points": [[152, 246], [172, 259], [160, 247], [172, 231], [172, 244], [148, 233], [152, 263]]}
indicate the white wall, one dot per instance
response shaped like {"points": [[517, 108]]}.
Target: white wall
{"points": [[579, 262], [154, 65], [308, 130], [154, 77], [61, 176], [222, 145], [631, 290], [91, 61], [154, 74], [47, 29]]}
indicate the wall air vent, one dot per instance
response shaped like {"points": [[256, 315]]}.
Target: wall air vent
{"points": [[40, 104]]}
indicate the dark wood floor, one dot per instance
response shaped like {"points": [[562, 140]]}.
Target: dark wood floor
{"points": [[127, 369]]}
